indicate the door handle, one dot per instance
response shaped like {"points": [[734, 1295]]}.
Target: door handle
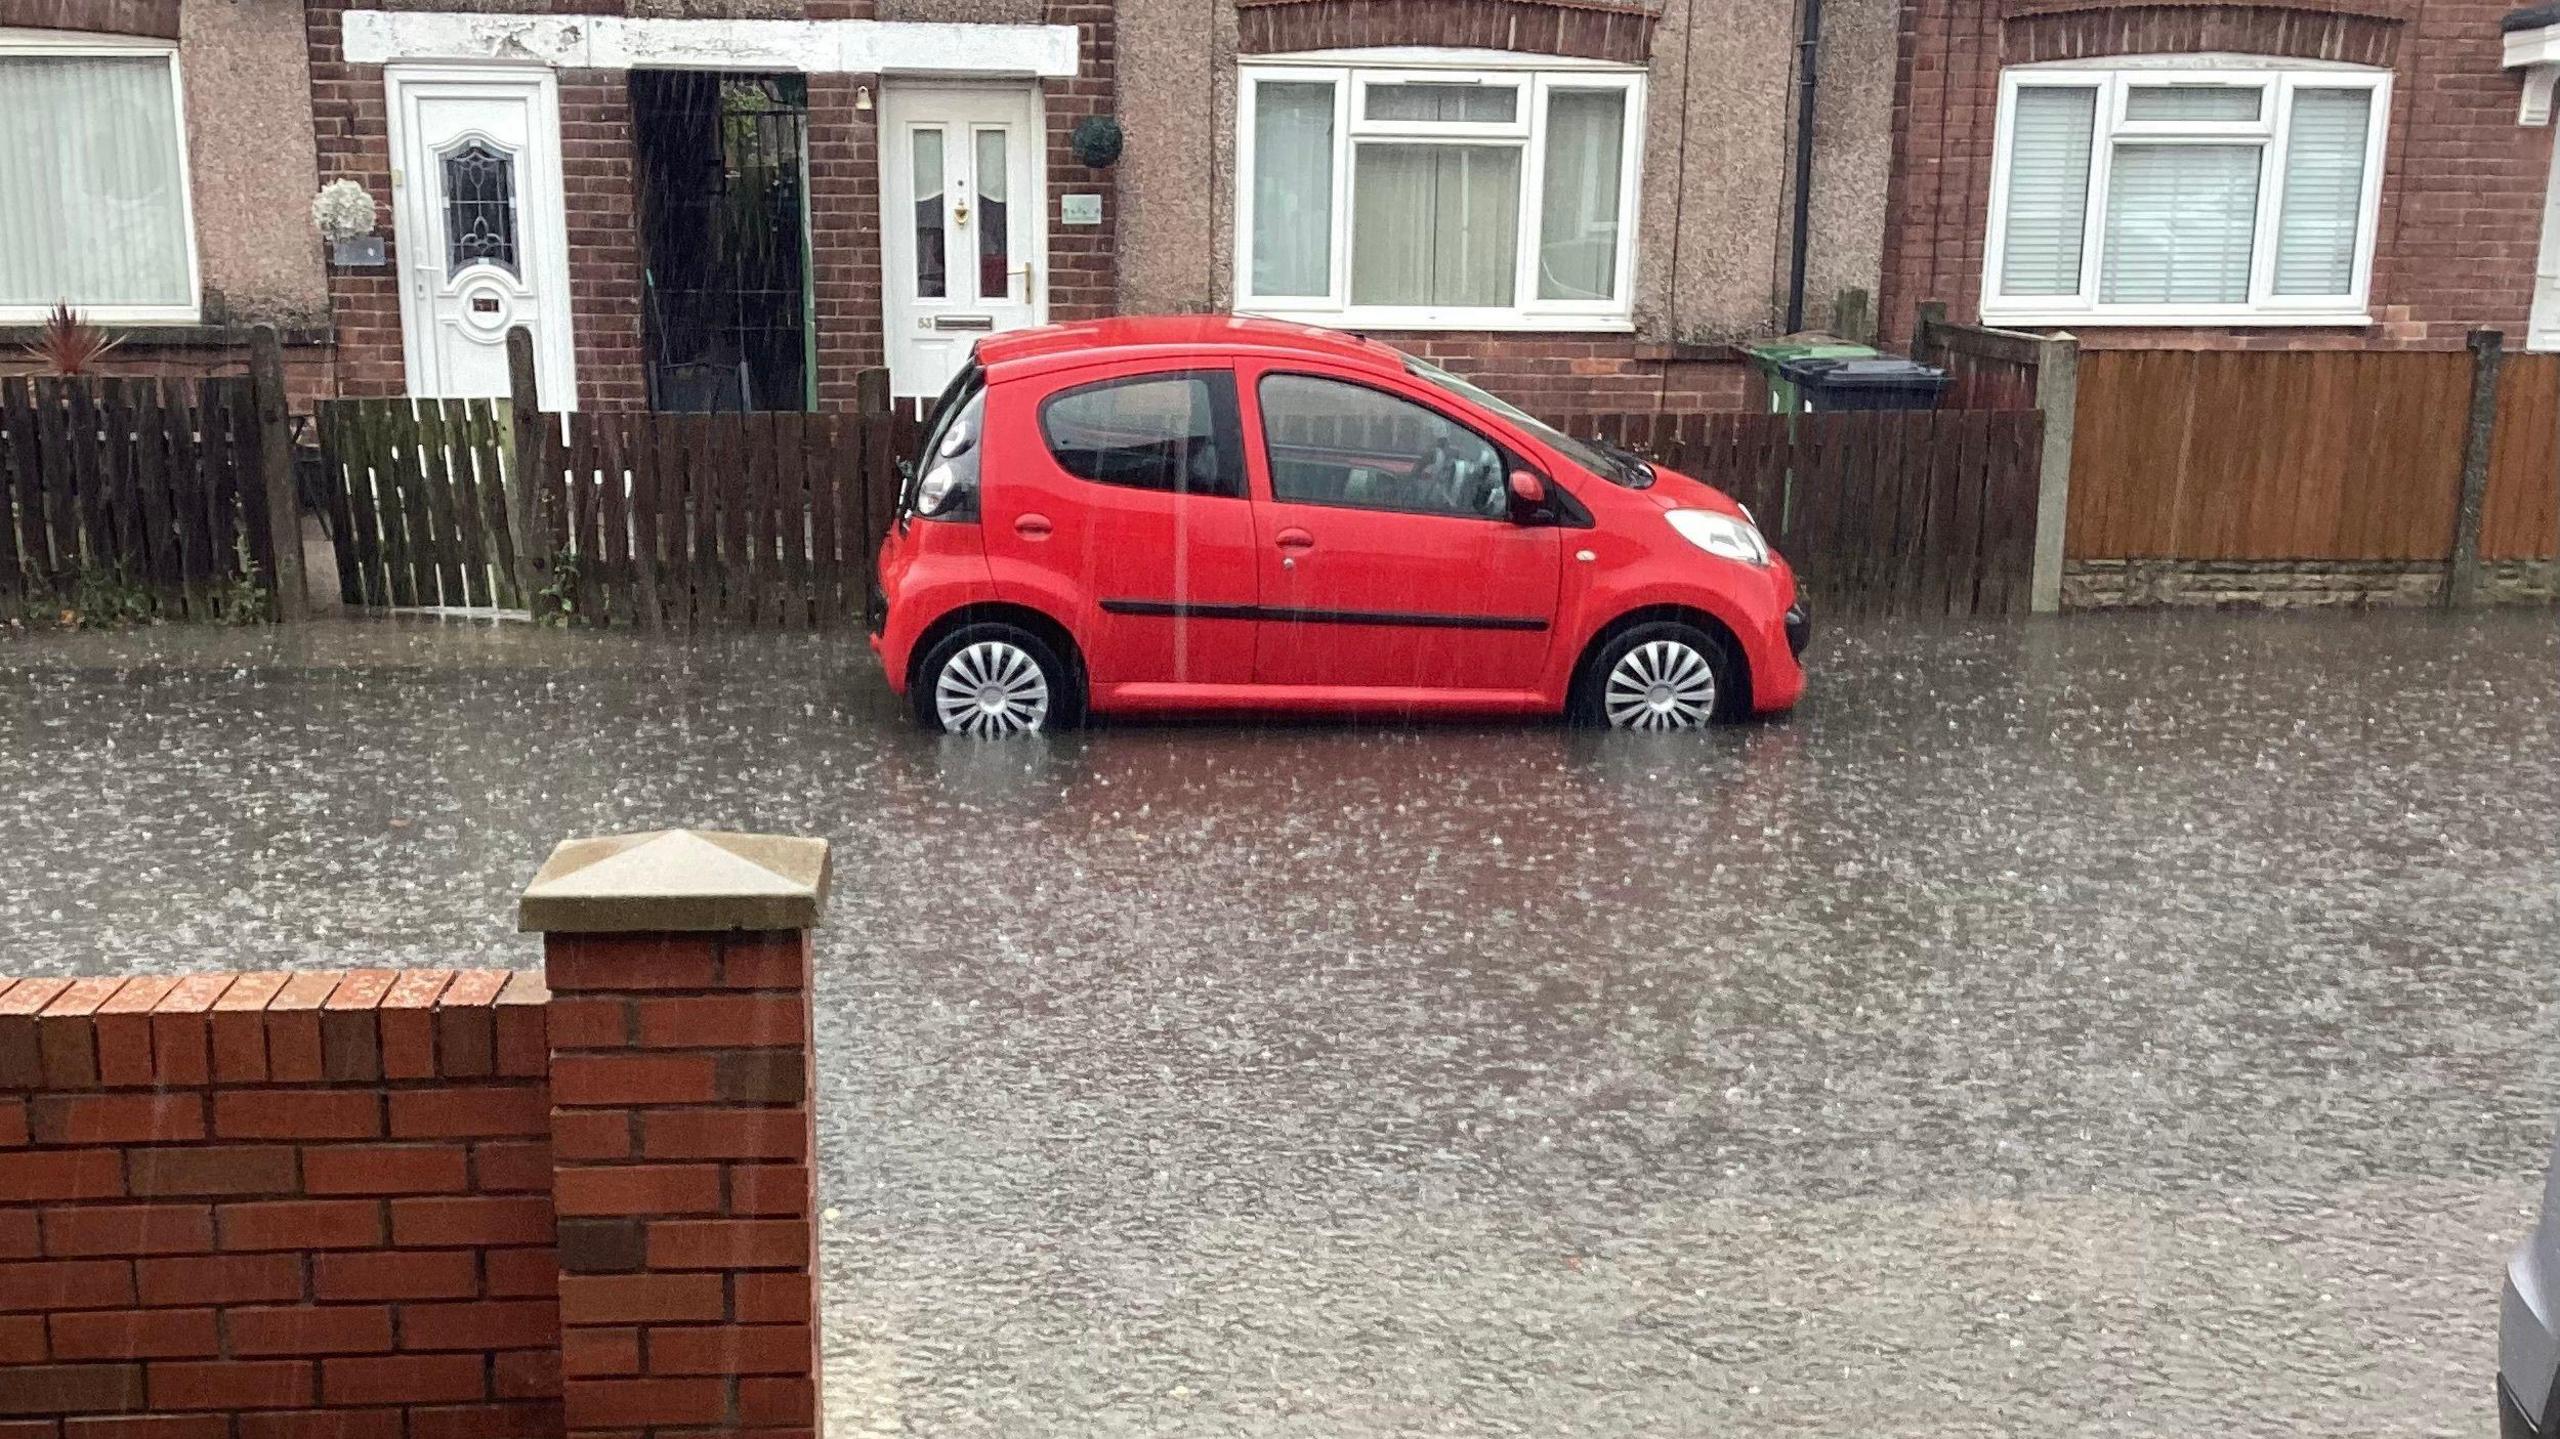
{"points": [[1032, 527], [1295, 539]]}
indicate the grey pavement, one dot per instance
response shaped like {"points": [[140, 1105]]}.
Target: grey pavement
{"points": [[2117, 1026]]}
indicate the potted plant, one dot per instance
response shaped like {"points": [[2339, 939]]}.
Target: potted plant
{"points": [[343, 212]]}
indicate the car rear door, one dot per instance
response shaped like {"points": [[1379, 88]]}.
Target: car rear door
{"points": [[1386, 549], [1127, 496]]}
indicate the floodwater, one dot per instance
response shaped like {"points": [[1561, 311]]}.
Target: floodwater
{"points": [[2134, 1025]]}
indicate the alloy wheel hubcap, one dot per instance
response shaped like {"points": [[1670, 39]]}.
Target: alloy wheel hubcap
{"points": [[1660, 685], [992, 689]]}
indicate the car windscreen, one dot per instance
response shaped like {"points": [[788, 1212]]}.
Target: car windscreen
{"points": [[1591, 457]]}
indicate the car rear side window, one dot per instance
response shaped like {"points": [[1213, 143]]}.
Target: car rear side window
{"points": [[1335, 443], [1174, 432]]}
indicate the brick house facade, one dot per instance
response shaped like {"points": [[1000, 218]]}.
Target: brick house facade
{"points": [[2459, 217], [1711, 217]]}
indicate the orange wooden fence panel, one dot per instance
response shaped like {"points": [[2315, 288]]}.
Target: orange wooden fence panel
{"points": [[2521, 517], [2259, 455]]}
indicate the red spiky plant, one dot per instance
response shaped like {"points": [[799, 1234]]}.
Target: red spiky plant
{"points": [[70, 346]]}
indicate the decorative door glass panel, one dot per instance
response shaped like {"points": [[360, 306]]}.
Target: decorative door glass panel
{"points": [[930, 281], [479, 207], [994, 236]]}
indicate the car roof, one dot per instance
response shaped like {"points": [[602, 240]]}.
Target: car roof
{"points": [[1017, 353]]}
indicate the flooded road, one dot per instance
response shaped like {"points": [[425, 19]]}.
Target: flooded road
{"points": [[2127, 1026]]}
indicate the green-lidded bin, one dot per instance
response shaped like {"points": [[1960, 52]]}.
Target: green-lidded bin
{"points": [[1771, 357], [1879, 382]]}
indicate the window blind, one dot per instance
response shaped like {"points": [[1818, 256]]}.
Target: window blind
{"points": [[1292, 187], [2181, 220], [92, 210], [2225, 103], [2048, 190], [2323, 205]]}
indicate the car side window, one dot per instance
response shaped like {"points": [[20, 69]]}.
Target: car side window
{"points": [[1175, 432], [1331, 442]]}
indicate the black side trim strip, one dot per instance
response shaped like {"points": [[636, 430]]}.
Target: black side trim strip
{"points": [[1172, 609]]}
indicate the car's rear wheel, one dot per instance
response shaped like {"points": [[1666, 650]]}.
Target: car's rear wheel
{"points": [[993, 681], [1661, 675]]}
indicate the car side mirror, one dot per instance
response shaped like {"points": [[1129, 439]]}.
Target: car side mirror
{"points": [[1531, 504]]}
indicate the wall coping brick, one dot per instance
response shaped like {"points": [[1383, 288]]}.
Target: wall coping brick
{"points": [[677, 881]]}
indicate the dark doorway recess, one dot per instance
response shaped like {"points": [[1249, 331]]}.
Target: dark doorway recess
{"points": [[724, 234]]}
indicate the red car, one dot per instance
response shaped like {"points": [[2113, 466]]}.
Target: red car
{"points": [[1203, 513]]}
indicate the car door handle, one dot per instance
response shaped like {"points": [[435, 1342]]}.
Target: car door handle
{"points": [[1032, 527], [1295, 539]]}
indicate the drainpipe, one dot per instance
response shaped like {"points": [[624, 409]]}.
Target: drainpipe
{"points": [[1808, 83]]}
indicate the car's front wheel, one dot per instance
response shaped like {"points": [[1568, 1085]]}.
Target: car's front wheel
{"points": [[993, 680], [1662, 675]]}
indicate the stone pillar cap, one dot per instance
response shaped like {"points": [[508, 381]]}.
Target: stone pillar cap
{"points": [[677, 880]]}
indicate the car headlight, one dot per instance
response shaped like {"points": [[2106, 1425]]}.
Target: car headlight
{"points": [[1719, 534]]}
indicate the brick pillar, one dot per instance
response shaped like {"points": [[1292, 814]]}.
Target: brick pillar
{"points": [[681, 1128]]}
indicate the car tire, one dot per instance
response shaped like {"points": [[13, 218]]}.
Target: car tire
{"points": [[1659, 675], [993, 680]]}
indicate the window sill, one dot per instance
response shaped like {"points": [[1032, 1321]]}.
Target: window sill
{"points": [[1459, 321], [2176, 320], [165, 334]]}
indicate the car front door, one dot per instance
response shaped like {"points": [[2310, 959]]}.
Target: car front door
{"points": [[1130, 497], [1386, 548]]}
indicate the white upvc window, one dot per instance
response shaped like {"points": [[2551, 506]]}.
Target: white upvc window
{"points": [[2185, 190], [1438, 189], [94, 206]]}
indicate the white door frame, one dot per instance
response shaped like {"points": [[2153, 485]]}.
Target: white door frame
{"points": [[2542, 328], [543, 219], [1035, 151]]}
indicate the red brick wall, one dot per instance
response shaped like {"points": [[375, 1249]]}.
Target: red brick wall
{"points": [[319, 1202], [684, 1133], [1585, 374], [420, 1204], [349, 129], [1084, 274], [2463, 184]]}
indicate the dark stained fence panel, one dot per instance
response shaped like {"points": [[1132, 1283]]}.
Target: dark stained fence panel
{"points": [[766, 520], [1917, 512], [415, 495], [145, 486]]}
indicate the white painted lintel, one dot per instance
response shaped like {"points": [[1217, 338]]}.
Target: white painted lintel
{"points": [[612, 42]]}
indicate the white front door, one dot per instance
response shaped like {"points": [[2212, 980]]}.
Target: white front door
{"points": [[2542, 331], [478, 215], [964, 232]]}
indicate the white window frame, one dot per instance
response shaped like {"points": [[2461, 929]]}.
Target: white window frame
{"points": [[17, 43], [2276, 80], [1352, 73]]}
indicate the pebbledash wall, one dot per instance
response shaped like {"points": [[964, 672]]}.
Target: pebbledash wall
{"points": [[429, 1204], [2463, 184], [1714, 211], [251, 170]]}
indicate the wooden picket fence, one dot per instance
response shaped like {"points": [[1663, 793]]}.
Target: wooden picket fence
{"points": [[414, 495], [768, 520], [1912, 512], [143, 491]]}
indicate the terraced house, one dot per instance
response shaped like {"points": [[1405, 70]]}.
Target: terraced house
{"points": [[2282, 174], [720, 203]]}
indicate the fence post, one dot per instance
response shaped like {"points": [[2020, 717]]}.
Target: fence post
{"points": [[275, 473], [682, 1127], [1924, 332], [870, 390], [2058, 395], [2462, 577], [524, 390]]}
